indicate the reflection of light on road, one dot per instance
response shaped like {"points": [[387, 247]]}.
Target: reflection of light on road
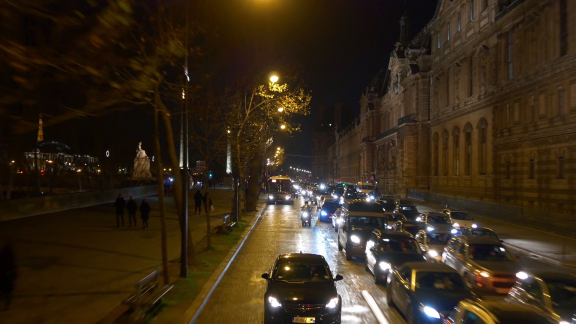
{"points": [[374, 307], [351, 319], [355, 309]]}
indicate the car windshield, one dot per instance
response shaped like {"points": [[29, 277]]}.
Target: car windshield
{"points": [[460, 215], [387, 201], [482, 233], [439, 219], [302, 272], [439, 280], [563, 293], [330, 206], [406, 208], [399, 246], [413, 228], [366, 208], [487, 252], [360, 221], [438, 238], [396, 217]]}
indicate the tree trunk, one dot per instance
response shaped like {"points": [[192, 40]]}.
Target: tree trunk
{"points": [[253, 185], [160, 184]]}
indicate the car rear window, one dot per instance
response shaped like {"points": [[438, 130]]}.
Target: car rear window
{"points": [[302, 272], [399, 245], [439, 280], [365, 208], [460, 215], [439, 219]]}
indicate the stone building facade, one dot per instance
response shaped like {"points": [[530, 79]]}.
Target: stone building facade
{"points": [[481, 104]]}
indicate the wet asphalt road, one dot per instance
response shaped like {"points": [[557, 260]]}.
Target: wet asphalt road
{"points": [[239, 296]]}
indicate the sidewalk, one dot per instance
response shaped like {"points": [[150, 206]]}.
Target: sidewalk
{"points": [[548, 247], [76, 266]]}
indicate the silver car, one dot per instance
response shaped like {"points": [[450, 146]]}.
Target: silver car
{"points": [[438, 221], [433, 242]]}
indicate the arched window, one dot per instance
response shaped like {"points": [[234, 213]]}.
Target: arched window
{"points": [[482, 146], [445, 137], [456, 151], [436, 154], [468, 149]]}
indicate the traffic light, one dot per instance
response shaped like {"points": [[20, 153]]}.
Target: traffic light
{"points": [[210, 175]]}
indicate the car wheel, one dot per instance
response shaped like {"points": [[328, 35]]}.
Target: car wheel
{"points": [[366, 265], [389, 300], [348, 257], [377, 279], [410, 316]]}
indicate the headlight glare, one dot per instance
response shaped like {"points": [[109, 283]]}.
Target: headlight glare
{"points": [[355, 239], [485, 274], [474, 226], [429, 228], [433, 253], [274, 302], [418, 219], [270, 197], [385, 266], [323, 213], [522, 275], [288, 197], [430, 312], [332, 303], [456, 225], [454, 231]]}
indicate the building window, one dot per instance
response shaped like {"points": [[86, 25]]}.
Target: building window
{"points": [[510, 55], [435, 153], [471, 76], [484, 5], [445, 153], [482, 147], [561, 174], [507, 169], [468, 148], [456, 152], [563, 27], [439, 40], [531, 169], [448, 32], [459, 21], [471, 10], [560, 100]]}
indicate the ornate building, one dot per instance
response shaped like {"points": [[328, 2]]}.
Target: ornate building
{"points": [[481, 104]]}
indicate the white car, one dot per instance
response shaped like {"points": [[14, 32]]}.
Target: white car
{"points": [[460, 218]]}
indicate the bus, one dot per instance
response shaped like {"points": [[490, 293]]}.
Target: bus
{"points": [[365, 187], [279, 190]]}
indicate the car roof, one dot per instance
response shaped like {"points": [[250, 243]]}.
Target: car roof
{"points": [[481, 240], [422, 266], [307, 257]]}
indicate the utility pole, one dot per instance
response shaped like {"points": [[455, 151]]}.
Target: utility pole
{"points": [[184, 227]]}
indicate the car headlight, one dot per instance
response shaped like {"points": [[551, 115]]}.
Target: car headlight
{"points": [[418, 219], [522, 275], [484, 274], [288, 197], [367, 198], [305, 214], [318, 197], [323, 213], [433, 253], [429, 228], [474, 226], [456, 225], [563, 322], [454, 231], [385, 266], [270, 197], [430, 312], [332, 303], [274, 302], [355, 239], [389, 227]]}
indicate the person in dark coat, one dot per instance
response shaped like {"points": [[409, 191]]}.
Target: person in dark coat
{"points": [[198, 202], [132, 207], [120, 204], [207, 202], [144, 213], [7, 274]]}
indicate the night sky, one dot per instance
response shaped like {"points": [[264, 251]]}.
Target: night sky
{"points": [[339, 46]]}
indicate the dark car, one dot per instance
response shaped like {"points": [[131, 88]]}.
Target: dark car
{"points": [[409, 211], [438, 221], [410, 227], [553, 293], [338, 192], [422, 291], [357, 220], [387, 250], [404, 201], [388, 203], [301, 289], [328, 209]]}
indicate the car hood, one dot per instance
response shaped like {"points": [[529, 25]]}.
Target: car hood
{"points": [[400, 258], [304, 293], [439, 299], [499, 266]]}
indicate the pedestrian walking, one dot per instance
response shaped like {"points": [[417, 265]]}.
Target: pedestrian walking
{"points": [[132, 207], [120, 204], [7, 274], [144, 213], [207, 202], [198, 202]]}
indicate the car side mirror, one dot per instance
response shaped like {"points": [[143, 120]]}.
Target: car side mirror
{"points": [[338, 277], [265, 276]]}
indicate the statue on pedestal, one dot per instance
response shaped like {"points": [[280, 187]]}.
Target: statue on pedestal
{"points": [[141, 164]]}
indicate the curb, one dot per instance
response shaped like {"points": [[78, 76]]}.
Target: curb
{"points": [[540, 257], [201, 300], [518, 249]]}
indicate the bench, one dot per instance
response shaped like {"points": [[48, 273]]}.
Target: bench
{"points": [[147, 296], [226, 226]]}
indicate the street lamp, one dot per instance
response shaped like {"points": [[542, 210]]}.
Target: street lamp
{"points": [[282, 126], [281, 109], [274, 78]]}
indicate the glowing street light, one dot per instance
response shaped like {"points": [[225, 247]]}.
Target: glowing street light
{"points": [[274, 78], [282, 126], [281, 109]]}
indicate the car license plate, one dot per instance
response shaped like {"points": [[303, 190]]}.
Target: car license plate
{"points": [[304, 320]]}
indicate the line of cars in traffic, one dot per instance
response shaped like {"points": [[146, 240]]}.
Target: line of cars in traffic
{"points": [[438, 267]]}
